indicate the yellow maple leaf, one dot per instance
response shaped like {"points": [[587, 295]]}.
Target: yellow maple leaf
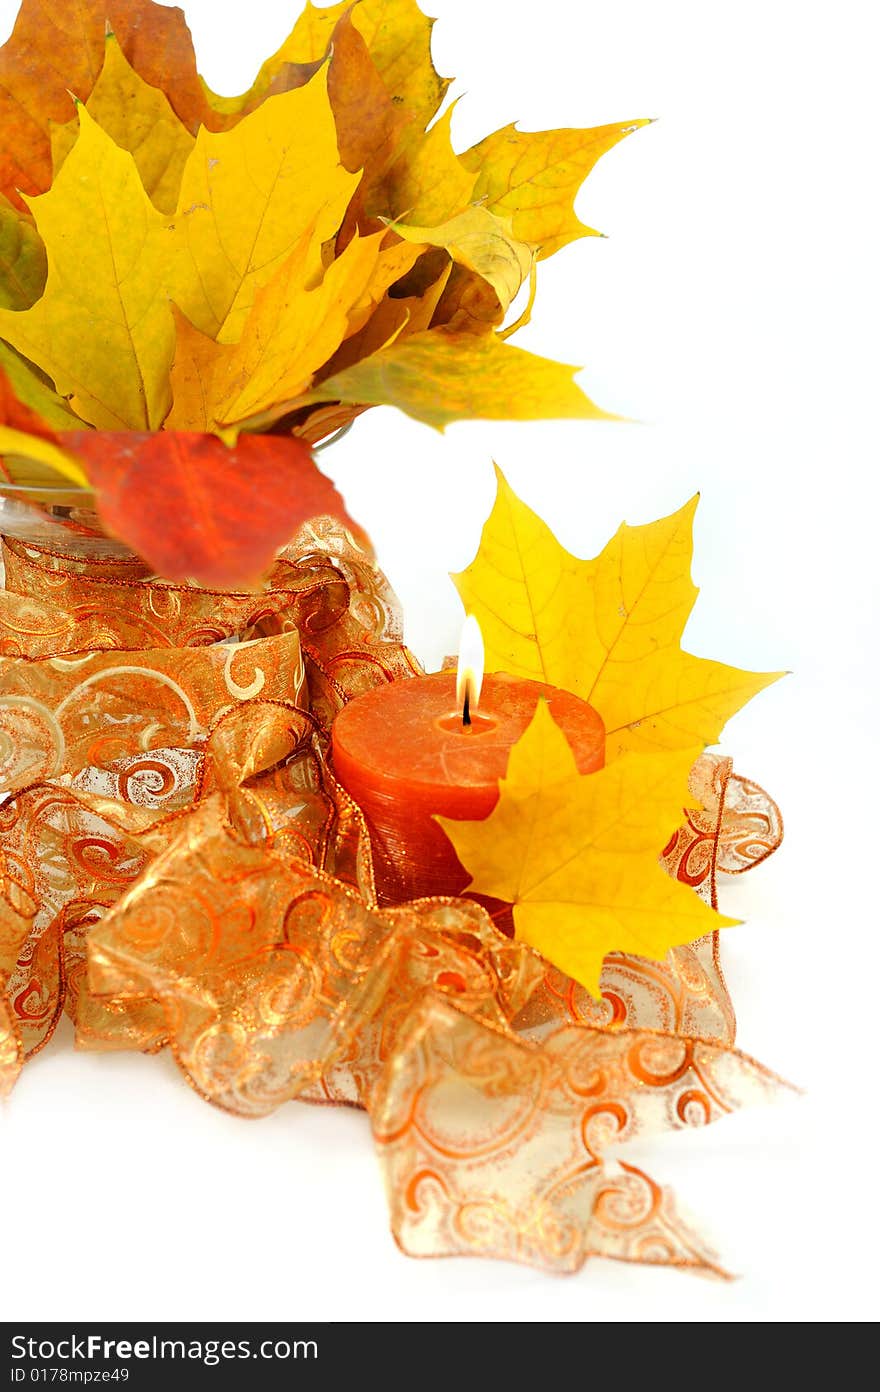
{"points": [[384, 92], [533, 177], [102, 330], [482, 243], [195, 358], [427, 183], [530, 597], [141, 120], [440, 377], [398, 36], [291, 330], [392, 263], [607, 629], [578, 855], [392, 320], [306, 47], [311, 34], [247, 197]]}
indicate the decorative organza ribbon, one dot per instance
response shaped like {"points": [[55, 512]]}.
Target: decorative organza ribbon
{"points": [[180, 869]]}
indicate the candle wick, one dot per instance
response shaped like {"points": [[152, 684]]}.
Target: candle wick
{"points": [[466, 712]]}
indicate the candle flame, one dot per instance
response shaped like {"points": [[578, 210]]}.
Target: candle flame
{"points": [[471, 659]]}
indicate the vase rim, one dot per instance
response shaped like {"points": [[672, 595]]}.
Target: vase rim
{"points": [[45, 488]]}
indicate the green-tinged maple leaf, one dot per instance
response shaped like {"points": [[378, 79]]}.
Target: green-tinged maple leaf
{"points": [[33, 391], [440, 377], [31, 454], [22, 259]]}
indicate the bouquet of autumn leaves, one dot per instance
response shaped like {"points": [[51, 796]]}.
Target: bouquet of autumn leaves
{"points": [[247, 275]]}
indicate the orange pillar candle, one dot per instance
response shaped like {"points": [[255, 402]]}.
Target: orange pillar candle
{"points": [[405, 755]]}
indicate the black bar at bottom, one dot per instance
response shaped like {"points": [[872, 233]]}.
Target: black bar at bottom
{"points": [[138, 1354]]}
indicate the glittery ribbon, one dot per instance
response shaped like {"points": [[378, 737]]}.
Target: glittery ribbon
{"points": [[180, 869]]}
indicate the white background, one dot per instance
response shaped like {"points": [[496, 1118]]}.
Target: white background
{"points": [[733, 312]]}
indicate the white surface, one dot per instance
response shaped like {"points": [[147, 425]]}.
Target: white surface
{"points": [[734, 311]]}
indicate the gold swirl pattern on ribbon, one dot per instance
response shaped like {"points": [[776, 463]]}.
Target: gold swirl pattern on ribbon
{"points": [[180, 869]]}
